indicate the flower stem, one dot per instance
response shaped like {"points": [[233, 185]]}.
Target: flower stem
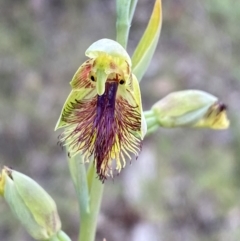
{"points": [[89, 220], [148, 113], [123, 24], [152, 122], [79, 177]]}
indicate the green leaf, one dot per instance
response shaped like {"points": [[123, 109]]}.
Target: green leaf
{"points": [[147, 45], [132, 9]]}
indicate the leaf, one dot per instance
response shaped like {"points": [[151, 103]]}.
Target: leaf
{"points": [[147, 45]]}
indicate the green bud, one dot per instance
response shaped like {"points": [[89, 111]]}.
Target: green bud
{"points": [[190, 108], [31, 204]]}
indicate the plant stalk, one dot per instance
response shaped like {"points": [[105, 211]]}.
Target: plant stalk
{"points": [[123, 24], [88, 223]]}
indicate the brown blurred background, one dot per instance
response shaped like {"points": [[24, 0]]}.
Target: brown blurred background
{"points": [[185, 184]]}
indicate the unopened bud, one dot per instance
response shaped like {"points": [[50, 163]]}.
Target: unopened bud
{"points": [[30, 203], [191, 108]]}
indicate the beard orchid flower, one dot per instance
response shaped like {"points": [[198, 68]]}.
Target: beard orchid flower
{"points": [[102, 115]]}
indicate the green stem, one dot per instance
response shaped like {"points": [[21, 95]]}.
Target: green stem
{"points": [[151, 122], [89, 220], [152, 130], [148, 113], [123, 24], [78, 174]]}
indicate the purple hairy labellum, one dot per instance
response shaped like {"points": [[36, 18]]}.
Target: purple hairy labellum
{"points": [[103, 127]]}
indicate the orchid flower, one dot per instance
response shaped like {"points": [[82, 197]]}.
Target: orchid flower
{"points": [[102, 115]]}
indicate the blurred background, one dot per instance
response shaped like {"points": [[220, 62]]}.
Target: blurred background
{"points": [[185, 186]]}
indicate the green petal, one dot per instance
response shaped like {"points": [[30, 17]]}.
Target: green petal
{"points": [[135, 99], [81, 78], [137, 96], [147, 45], [110, 47], [73, 96]]}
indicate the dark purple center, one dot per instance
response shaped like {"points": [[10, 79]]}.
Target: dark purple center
{"points": [[106, 102], [105, 123]]}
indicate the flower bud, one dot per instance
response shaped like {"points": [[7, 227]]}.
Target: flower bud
{"points": [[191, 108], [31, 204]]}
